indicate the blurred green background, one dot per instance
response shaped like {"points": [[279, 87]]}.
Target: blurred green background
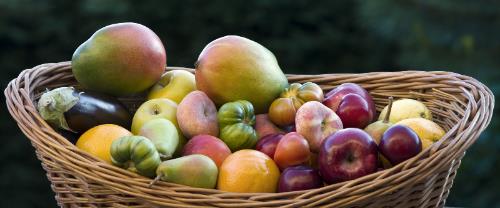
{"points": [[306, 36]]}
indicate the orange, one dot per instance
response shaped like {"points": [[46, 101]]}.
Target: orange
{"points": [[97, 140], [248, 171]]}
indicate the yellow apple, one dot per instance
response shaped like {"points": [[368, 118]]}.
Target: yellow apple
{"points": [[157, 108], [174, 85]]}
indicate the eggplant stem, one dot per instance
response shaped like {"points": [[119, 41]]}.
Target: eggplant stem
{"points": [[157, 178], [50, 104], [389, 107]]}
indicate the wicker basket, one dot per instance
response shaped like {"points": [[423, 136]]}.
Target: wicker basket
{"points": [[462, 105]]}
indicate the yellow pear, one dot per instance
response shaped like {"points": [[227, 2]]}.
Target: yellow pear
{"points": [[406, 108], [428, 131]]}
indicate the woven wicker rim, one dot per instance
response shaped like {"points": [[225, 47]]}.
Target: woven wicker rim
{"points": [[475, 105]]}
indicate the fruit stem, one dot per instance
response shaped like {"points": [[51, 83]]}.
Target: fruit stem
{"points": [[51, 105], [157, 178], [156, 110], [389, 107]]}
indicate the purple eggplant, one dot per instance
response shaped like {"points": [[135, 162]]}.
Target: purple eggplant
{"points": [[77, 111]]}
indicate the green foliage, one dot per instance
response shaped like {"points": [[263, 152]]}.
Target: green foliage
{"points": [[306, 37]]}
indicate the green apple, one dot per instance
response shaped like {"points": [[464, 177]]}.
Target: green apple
{"points": [[174, 85], [157, 108]]}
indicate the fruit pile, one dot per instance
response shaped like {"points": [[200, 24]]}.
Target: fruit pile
{"points": [[236, 124]]}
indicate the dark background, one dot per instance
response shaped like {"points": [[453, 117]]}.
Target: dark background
{"points": [[306, 36]]}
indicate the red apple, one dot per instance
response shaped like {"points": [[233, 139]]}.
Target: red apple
{"points": [[399, 143], [315, 122], [209, 146], [335, 97], [264, 126], [291, 150], [348, 154], [268, 143], [299, 178], [354, 111]]}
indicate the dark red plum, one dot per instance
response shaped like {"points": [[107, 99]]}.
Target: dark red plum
{"points": [[399, 143], [348, 154], [268, 143], [298, 178]]}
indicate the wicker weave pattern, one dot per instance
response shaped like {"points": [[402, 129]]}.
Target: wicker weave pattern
{"points": [[461, 104]]}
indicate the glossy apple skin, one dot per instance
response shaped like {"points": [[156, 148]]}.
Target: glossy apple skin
{"points": [[207, 145], [354, 111], [158, 108], [197, 115], [264, 126], [298, 178], [315, 122], [335, 96], [291, 150], [399, 143], [268, 143], [173, 85], [348, 154], [155, 108]]}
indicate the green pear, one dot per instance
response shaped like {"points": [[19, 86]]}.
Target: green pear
{"points": [[377, 129], [193, 170], [163, 134]]}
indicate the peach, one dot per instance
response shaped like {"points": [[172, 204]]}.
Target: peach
{"points": [[315, 122], [196, 115]]}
